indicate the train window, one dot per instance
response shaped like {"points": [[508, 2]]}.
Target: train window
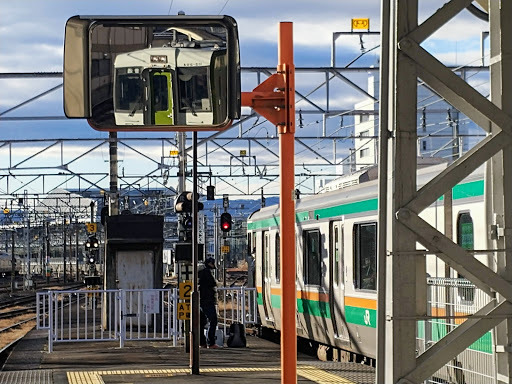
{"points": [[266, 255], [106, 65], [365, 256], [335, 251], [465, 238], [160, 93], [465, 235], [312, 257], [278, 257]]}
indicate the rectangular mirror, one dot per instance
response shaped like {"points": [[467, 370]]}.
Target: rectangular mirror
{"points": [[152, 73]]}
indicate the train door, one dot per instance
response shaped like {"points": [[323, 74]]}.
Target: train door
{"points": [[266, 277], [336, 280], [161, 98]]}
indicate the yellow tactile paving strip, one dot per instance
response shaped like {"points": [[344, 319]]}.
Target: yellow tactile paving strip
{"points": [[311, 373]]}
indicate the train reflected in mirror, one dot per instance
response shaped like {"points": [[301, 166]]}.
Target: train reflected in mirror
{"points": [[152, 73], [170, 86]]}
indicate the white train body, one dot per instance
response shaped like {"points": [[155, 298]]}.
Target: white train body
{"points": [[169, 86]]}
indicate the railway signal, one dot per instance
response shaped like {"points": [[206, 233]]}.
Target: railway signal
{"points": [[92, 246], [183, 203], [92, 243], [225, 222]]}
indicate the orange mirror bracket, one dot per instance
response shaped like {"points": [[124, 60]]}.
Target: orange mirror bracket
{"points": [[268, 99]]}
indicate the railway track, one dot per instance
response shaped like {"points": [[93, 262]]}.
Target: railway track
{"points": [[17, 316]]}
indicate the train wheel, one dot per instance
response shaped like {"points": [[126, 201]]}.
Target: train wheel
{"points": [[344, 356]]}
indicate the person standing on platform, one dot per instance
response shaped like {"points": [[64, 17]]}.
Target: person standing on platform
{"points": [[208, 300]]}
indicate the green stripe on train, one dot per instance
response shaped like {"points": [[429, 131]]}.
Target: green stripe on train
{"points": [[472, 189], [361, 316], [267, 223], [355, 315], [347, 209], [311, 307], [439, 330], [461, 191]]}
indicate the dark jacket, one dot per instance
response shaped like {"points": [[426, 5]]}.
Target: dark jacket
{"points": [[207, 287]]}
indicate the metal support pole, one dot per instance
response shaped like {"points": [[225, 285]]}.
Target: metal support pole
{"points": [[194, 350], [287, 209], [384, 136]]}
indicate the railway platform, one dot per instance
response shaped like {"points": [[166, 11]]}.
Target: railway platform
{"points": [[156, 362]]}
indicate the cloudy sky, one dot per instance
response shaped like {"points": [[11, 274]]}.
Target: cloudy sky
{"points": [[32, 33]]}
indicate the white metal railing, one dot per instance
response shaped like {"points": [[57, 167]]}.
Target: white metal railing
{"points": [[108, 315], [42, 310], [452, 300], [237, 305]]}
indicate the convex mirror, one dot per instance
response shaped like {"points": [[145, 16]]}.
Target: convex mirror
{"points": [[152, 73]]}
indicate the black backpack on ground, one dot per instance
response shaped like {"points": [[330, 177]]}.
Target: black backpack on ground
{"points": [[237, 336]]}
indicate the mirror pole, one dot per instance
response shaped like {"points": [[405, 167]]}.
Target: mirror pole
{"points": [[181, 138], [195, 323]]}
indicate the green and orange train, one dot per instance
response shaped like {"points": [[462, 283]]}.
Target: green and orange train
{"points": [[336, 259]]}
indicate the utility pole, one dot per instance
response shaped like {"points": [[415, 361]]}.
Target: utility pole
{"points": [[114, 192], [64, 246], [13, 261], [47, 251], [76, 249]]}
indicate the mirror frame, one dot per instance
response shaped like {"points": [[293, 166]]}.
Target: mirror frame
{"points": [[77, 67]]}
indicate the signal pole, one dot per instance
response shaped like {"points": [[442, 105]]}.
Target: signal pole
{"points": [[194, 335]]}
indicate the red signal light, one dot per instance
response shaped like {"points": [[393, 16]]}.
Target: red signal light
{"points": [[225, 222]]}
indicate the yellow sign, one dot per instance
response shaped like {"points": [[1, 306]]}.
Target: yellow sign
{"points": [[183, 311], [91, 227], [6, 211], [175, 153], [185, 289], [361, 23], [243, 152], [224, 249]]}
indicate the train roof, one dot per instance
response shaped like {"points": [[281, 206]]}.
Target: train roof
{"points": [[365, 190]]}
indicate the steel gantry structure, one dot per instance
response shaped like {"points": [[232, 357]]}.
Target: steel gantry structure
{"points": [[402, 290], [325, 143]]}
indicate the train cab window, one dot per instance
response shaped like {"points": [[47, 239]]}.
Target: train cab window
{"points": [[129, 89], [278, 258], [193, 89], [365, 256], [465, 238], [312, 257]]}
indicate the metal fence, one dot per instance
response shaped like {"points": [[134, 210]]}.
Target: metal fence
{"points": [[452, 300], [108, 315], [237, 305], [128, 315]]}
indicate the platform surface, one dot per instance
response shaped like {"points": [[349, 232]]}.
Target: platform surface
{"points": [[155, 362]]}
